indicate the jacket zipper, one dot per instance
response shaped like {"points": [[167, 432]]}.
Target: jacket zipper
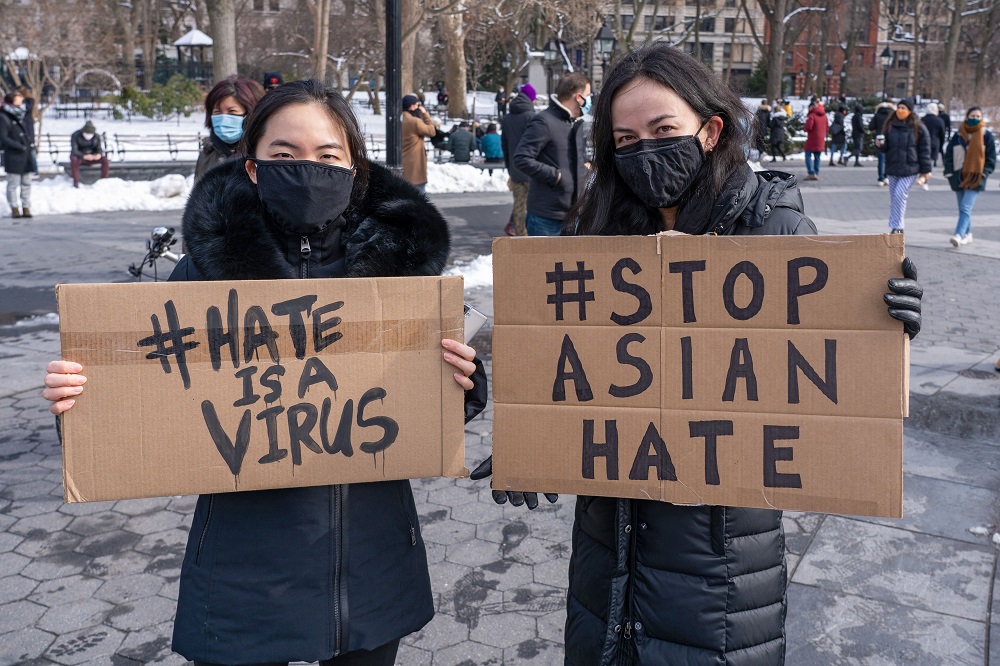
{"points": [[204, 530], [339, 608], [304, 250], [631, 529]]}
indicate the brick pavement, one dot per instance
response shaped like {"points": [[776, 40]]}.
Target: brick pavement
{"points": [[97, 583]]}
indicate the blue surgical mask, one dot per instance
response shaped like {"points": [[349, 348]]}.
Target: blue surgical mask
{"points": [[585, 107], [972, 122], [227, 127]]}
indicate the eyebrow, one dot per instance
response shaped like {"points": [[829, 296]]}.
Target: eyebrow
{"points": [[652, 122], [288, 144]]}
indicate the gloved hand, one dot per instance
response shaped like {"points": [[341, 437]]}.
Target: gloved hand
{"points": [[485, 470], [904, 299]]}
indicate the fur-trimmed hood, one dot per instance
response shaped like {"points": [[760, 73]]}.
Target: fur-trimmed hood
{"points": [[392, 231]]}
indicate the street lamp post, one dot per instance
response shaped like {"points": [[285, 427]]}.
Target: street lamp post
{"points": [[605, 42], [828, 72], [550, 54], [843, 79], [885, 59]]}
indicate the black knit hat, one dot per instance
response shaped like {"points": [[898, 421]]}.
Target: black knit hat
{"points": [[409, 100], [908, 102]]}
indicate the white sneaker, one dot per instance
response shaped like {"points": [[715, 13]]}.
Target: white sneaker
{"points": [[882, 183], [956, 240], [967, 238]]}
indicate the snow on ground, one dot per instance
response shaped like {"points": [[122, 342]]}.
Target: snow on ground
{"points": [[450, 177], [477, 273], [53, 196]]}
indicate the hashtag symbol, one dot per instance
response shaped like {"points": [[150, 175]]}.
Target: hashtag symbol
{"points": [[170, 343], [581, 296]]}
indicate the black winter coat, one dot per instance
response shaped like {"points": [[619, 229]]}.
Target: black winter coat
{"points": [[763, 122], [80, 146], [907, 153], [935, 127], [17, 157], [858, 126], [305, 573], [658, 584], [877, 123], [838, 130], [214, 151], [522, 110], [552, 144], [778, 129]]}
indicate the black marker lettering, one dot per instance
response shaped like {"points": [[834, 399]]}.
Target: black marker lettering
{"points": [[581, 295], [270, 418], [293, 309], [252, 320], [796, 289], [321, 341], [687, 270], [273, 384], [170, 343], [645, 306], [660, 458], [711, 431], [342, 440], [249, 397], [387, 424], [315, 372], [232, 453], [749, 269], [608, 450], [645, 372], [687, 382], [740, 365], [796, 362], [575, 373], [772, 454], [219, 338], [300, 432]]}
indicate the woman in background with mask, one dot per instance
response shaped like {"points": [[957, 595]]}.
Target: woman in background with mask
{"points": [[330, 573], [907, 147], [969, 159], [226, 106], [653, 582]]}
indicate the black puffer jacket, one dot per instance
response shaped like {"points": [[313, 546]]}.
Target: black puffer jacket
{"points": [[551, 154], [657, 584], [907, 152], [304, 574], [17, 157], [521, 111]]}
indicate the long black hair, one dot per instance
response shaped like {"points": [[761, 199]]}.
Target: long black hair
{"points": [[608, 206], [310, 92]]}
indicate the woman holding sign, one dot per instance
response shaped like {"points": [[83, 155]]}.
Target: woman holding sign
{"points": [[332, 573], [653, 582]]}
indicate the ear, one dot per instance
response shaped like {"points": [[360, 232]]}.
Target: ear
{"points": [[710, 133], [251, 168]]}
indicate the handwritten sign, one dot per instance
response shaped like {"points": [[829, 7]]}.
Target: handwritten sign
{"points": [[225, 386], [742, 371]]}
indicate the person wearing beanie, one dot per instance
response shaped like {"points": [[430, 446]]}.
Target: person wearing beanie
{"points": [[969, 159], [528, 91], [272, 80], [906, 144], [935, 127], [857, 133], [86, 149], [522, 110], [876, 127], [417, 126]]}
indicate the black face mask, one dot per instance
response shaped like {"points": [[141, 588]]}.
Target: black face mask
{"points": [[303, 196], [660, 171]]}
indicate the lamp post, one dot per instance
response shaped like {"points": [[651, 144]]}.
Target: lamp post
{"points": [[885, 59], [827, 75], [843, 79], [802, 78], [550, 54], [605, 42], [505, 63]]}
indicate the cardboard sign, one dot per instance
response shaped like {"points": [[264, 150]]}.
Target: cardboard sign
{"points": [[207, 387], [741, 371]]}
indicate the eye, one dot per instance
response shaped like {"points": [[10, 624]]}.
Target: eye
{"points": [[664, 129], [626, 139], [284, 156]]}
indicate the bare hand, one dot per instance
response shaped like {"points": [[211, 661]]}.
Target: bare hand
{"points": [[926, 176], [62, 384], [462, 357]]}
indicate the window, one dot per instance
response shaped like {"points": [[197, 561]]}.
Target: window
{"points": [[708, 24], [267, 5], [727, 51], [707, 53], [903, 60], [789, 58], [730, 3], [730, 25], [274, 5], [658, 23], [627, 20]]}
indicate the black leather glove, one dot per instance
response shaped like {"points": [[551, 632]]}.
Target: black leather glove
{"points": [[476, 397], [904, 299], [485, 470]]}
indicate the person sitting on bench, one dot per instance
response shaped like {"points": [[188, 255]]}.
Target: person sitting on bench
{"points": [[86, 149]]}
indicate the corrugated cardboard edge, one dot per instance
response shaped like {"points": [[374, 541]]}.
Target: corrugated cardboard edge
{"points": [[452, 444], [70, 491]]}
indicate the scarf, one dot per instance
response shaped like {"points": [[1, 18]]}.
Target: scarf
{"points": [[17, 112], [975, 155]]}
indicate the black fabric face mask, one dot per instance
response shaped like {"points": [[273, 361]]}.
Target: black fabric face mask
{"points": [[303, 196], [660, 171]]}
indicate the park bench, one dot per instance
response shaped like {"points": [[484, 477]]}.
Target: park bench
{"points": [[488, 165], [84, 110], [172, 144]]}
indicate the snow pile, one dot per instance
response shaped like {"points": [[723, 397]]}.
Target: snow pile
{"points": [[979, 530], [477, 273], [57, 196], [450, 177]]}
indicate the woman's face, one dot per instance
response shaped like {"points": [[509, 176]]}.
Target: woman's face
{"points": [[302, 132], [645, 109], [229, 105], [975, 115]]}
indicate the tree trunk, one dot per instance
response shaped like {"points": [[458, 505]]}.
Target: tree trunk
{"points": [[411, 18], [222, 17], [950, 51], [150, 30], [321, 39], [453, 36], [981, 63], [776, 50]]}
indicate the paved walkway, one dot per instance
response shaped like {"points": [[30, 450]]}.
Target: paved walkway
{"points": [[97, 583]]}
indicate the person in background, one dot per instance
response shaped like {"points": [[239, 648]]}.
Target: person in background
{"points": [[461, 143], [29, 117], [815, 127], [86, 149], [501, 100], [522, 110], [226, 107], [787, 106], [969, 159], [417, 126], [654, 583], [763, 124], [838, 135], [18, 158], [331, 573], [907, 147], [478, 131], [491, 144], [442, 95], [778, 120], [549, 153], [857, 133], [877, 125], [946, 119], [935, 127], [272, 80]]}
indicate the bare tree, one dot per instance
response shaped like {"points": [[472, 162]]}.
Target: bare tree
{"points": [[222, 17], [321, 37]]}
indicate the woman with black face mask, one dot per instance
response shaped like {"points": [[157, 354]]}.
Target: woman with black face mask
{"points": [[331, 573], [653, 582]]}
